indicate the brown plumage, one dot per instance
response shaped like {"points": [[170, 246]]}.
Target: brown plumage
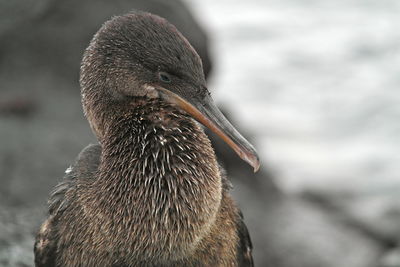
{"points": [[151, 193]]}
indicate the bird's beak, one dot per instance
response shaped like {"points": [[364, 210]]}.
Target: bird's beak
{"points": [[206, 112]]}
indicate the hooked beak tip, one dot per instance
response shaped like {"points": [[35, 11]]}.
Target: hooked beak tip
{"points": [[256, 166], [252, 159]]}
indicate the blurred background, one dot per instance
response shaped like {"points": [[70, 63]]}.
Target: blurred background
{"points": [[314, 85]]}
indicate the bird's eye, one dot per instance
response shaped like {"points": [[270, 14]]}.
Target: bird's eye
{"points": [[164, 77]]}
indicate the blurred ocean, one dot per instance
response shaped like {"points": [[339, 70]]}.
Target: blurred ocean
{"points": [[318, 81]]}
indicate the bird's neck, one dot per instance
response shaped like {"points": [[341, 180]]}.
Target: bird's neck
{"points": [[159, 178]]}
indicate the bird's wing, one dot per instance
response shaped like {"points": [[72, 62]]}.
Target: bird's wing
{"points": [[85, 166], [244, 253], [245, 247], [45, 244]]}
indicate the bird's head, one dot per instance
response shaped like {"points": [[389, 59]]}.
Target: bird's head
{"points": [[143, 55]]}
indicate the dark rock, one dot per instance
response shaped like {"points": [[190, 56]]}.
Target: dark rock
{"points": [[20, 107], [55, 36]]}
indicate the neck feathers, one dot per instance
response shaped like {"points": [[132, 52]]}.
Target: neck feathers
{"points": [[161, 180]]}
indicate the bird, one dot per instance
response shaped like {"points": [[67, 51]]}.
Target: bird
{"points": [[151, 191]]}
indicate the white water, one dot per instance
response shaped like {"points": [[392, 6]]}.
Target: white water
{"points": [[318, 81]]}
